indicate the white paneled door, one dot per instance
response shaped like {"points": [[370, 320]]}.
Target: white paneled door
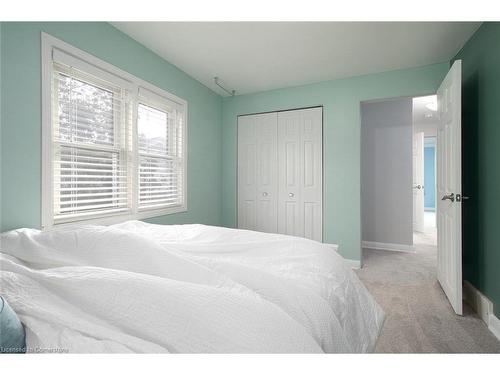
{"points": [[280, 172], [300, 173], [449, 186], [418, 181], [258, 172]]}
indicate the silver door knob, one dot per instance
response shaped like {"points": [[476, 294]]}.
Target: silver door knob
{"points": [[450, 197], [418, 187], [291, 195], [265, 194]]}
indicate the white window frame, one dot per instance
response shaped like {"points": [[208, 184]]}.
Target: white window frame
{"points": [[48, 44]]}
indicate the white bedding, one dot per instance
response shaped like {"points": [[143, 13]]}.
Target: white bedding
{"points": [[137, 287]]}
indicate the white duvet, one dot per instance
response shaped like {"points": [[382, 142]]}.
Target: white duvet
{"points": [[137, 287]]}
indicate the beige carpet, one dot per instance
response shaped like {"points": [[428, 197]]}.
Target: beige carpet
{"points": [[419, 318]]}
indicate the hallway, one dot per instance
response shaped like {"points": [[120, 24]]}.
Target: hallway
{"points": [[419, 318]]}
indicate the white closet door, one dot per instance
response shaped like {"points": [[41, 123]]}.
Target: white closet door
{"points": [[300, 173], [257, 172]]}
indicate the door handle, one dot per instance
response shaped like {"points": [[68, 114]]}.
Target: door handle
{"points": [[418, 187], [265, 194], [291, 195], [450, 197]]}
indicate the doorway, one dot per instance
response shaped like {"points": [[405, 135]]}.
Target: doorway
{"points": [[398, 173], [393, 143], [425, 123], [430, 182]]}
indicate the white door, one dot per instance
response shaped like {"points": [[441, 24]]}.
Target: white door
{"points": [[257, 172], [418, 181], [300, 172], [449, 186]]}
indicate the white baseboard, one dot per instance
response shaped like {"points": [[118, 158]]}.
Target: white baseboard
{"points": [[483, 306], [494, 325], [388, 246], [475, 299], [354, 264], [333, 246]]}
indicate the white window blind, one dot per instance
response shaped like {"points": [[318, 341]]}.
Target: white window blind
{"points": [[113, 145], [160, 147], [90, 122]]}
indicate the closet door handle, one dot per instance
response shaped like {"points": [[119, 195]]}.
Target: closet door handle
{"points": [[291, 195], [265, 194]]}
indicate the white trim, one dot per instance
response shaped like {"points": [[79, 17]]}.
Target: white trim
{"points": [[47, 209], [48, 44], [333, 246], [388, 246], [482, 306], [120, 218], [475, 299], [494, 325], [354, 264], [51, 42], [77, 61]]}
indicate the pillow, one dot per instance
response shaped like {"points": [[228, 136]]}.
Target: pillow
{"points": [[12, 335]]}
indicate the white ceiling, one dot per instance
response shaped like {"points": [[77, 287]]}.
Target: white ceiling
{"points": [[258, 56]]}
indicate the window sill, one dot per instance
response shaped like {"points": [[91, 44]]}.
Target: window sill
{"points": [[119, 218]]}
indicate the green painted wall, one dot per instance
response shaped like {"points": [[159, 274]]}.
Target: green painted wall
{"points": [[481, 157], [21, 117], [341, 144], [1, 63]]}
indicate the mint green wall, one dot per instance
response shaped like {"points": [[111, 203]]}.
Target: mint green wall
{"points": [[341, 144], [481, 157], [21, 117], [1, 63]]}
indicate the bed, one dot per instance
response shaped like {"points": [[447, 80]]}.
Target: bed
{"points": [[145, 288]]}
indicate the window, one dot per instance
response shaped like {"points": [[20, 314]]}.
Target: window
{"points": [[113, 145], [159, 129], [89, 122]]}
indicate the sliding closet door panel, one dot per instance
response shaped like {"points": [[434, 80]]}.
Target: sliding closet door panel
{"points": [[300, 173], [267, 171], [290, 212], [257, 172], [247, 173], [312, 178]]}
